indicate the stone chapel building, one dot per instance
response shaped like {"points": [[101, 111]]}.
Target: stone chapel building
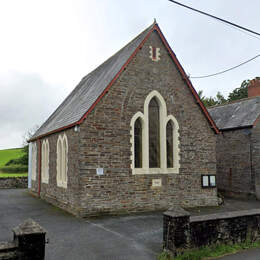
{"points": [[238, 145], [132, 136]]}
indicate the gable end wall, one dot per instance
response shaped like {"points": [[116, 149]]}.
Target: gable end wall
{"points": [[105, 142]]}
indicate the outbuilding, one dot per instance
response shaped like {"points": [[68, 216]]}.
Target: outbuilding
{"points": [[238, 145]]}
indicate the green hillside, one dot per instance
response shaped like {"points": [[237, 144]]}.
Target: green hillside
{"points": [[8, 154]]}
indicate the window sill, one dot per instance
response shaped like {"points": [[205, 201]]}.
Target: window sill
{"points": [[45, 181], [138, 171], [62, 185]]}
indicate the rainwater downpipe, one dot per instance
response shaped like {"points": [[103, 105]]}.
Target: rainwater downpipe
{"points": [[39, 165]]}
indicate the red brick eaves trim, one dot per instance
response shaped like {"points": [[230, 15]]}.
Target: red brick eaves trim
{"points": [[186, 79]]}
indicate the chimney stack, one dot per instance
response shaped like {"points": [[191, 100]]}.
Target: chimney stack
{"points": [[254, 87]]}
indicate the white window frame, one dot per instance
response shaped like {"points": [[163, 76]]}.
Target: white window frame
{"points": [[145, 138], [45, 162], [62, 161], [34, 161]]}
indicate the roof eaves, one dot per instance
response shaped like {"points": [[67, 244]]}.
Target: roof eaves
{"points": [[104, 92], [235, 128], [153, 27]]}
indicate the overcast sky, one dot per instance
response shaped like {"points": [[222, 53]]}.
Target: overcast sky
{"points": [[47, 46]]}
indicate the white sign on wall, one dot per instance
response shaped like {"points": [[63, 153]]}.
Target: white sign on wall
{"points": [[100, 171]]}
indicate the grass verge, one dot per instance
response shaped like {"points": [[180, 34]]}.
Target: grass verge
{"points": [[210, 252], [13, 175], [8, 154]]}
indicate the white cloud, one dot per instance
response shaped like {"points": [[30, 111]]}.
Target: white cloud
{"points": [[47, 46], [26, 101]]}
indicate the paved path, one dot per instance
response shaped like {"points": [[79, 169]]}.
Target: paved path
{"points": [[252, 254], [116, 238]]}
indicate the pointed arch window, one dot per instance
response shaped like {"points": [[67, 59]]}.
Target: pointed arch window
{"points": [[169, 144], [34, 160], [154, 138], [154, 134], [45, 161], [62, 161], [138, 143]]}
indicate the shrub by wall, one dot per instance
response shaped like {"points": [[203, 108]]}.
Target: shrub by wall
{"points": [[14, 169]]}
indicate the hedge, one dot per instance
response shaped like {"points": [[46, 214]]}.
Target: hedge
{"points": [[14, 169]]}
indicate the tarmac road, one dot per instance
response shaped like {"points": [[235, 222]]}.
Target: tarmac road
{"points": [[116, 238], [252, 254]]}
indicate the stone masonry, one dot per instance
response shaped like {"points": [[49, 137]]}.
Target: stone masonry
{"points": [[234, 172], [104, 142], [13, 183], [205, 230], [238, 164]]}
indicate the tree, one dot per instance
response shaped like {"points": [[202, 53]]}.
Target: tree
{"points": [[23, 160], [239, 93], [212, 101]]}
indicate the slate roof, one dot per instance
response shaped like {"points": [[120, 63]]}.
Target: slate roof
{"points": [[87, 93], [238, 114], [89, 89]]}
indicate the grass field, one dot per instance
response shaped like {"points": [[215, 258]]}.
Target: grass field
{"points": [[8, 154], [13, 175], [5, 156]]}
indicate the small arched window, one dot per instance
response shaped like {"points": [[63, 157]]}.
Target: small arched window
{"points": [[169, 144], [34, 160], [154, 134], [62, 161], [45, 161], [138, 143]]}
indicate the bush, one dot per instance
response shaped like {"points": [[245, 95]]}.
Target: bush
{"points": [[23, 160], [14, 168]]}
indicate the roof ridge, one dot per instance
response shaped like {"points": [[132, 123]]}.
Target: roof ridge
{"points": [[90, 90], [129, 43], [233, 102]]}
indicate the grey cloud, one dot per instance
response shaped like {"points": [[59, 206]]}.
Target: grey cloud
{"points": [[26, 101]]}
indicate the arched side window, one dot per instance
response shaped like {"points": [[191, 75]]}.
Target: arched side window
{"points": [[62, 161], [158, 150], [34, 161], [169, 144], [45, 162], [154, 134], [138, 143], [65, 160]]}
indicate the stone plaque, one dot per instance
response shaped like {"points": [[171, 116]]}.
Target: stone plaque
{"points": [[157, 183]]}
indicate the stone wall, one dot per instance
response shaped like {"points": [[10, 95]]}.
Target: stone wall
{"points": [[255, 152], [28, 243], [105, 142], [205, 230], [14, 183], [66, 198], [234, 172]]}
